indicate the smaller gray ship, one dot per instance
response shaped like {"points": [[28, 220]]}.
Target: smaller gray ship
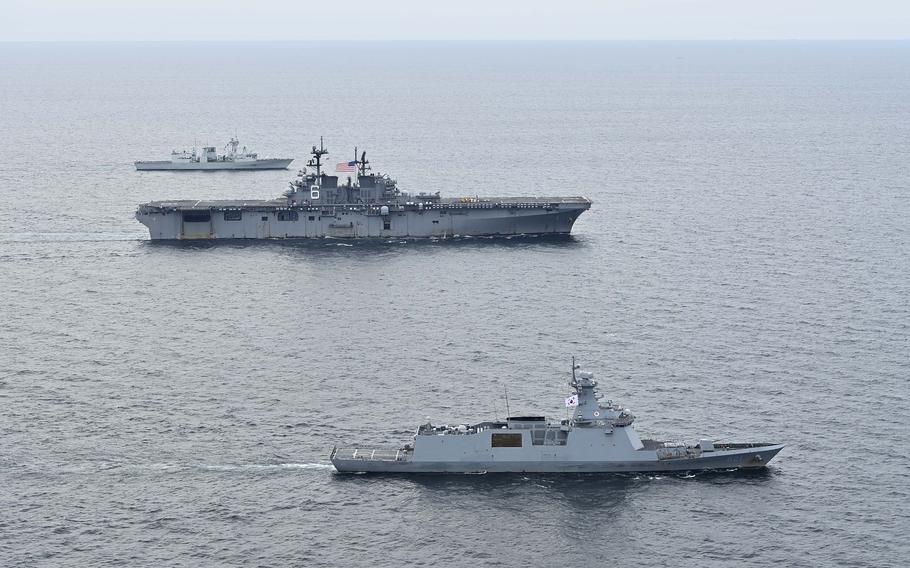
{"points": [[232, 159], [598, 438]]}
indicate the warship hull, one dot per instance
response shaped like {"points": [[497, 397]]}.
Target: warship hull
{"points": [[167, 165], [209, 220], [545, 461], [598, 438]]}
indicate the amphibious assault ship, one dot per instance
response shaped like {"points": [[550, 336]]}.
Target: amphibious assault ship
{"points": [[366, 205], [599, 437], [209, 160]]}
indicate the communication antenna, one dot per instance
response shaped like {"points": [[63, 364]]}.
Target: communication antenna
{"points": [[508, 412], [316, 160], [362, 164]]}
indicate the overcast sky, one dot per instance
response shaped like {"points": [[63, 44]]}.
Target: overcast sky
{"points": [[44, 20]]}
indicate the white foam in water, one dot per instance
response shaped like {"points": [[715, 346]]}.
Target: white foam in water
{"points": [[258, 466], [69, 237], [325, 466]]}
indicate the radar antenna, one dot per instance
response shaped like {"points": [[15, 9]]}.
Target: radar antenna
{"points": [[316, 160], [362, 164]]}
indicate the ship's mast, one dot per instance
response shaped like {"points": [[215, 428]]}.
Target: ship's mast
{"points": [[362, 164], [574, 386], [508, 410], [233, 144], [316, 160]]}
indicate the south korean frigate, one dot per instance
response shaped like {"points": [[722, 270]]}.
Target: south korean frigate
{"points": [[209, 159], [366, 205], [598, 437]]}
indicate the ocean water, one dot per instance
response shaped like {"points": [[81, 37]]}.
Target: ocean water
{"points": [[744, 274]]}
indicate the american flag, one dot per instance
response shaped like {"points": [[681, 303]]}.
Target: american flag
{"points": [[346, 167]]}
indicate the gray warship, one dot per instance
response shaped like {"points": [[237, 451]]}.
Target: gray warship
{"points": [[366, 205], [598, 438], [232, 159]]}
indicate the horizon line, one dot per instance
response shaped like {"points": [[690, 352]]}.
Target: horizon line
{"points": [[465, 40]]}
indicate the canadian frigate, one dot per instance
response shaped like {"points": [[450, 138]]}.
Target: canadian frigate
{"points": [[366, 205], [232, 159], [598, 437]]}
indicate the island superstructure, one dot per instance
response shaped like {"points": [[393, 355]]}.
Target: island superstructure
{"points": [[209, 159], [366, 205], [598, 437]]}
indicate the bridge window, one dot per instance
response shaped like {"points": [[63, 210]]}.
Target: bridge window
{"points": [[233, 215], [287, 215], [505, 440], [386, 224]]}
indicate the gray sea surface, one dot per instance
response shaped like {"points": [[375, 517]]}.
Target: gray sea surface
{"points": [[744, 274]]}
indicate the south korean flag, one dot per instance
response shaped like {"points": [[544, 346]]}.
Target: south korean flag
{"points": [[572, 401]]}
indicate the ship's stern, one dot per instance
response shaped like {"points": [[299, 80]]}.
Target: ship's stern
{"points": [[162, 225]]}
